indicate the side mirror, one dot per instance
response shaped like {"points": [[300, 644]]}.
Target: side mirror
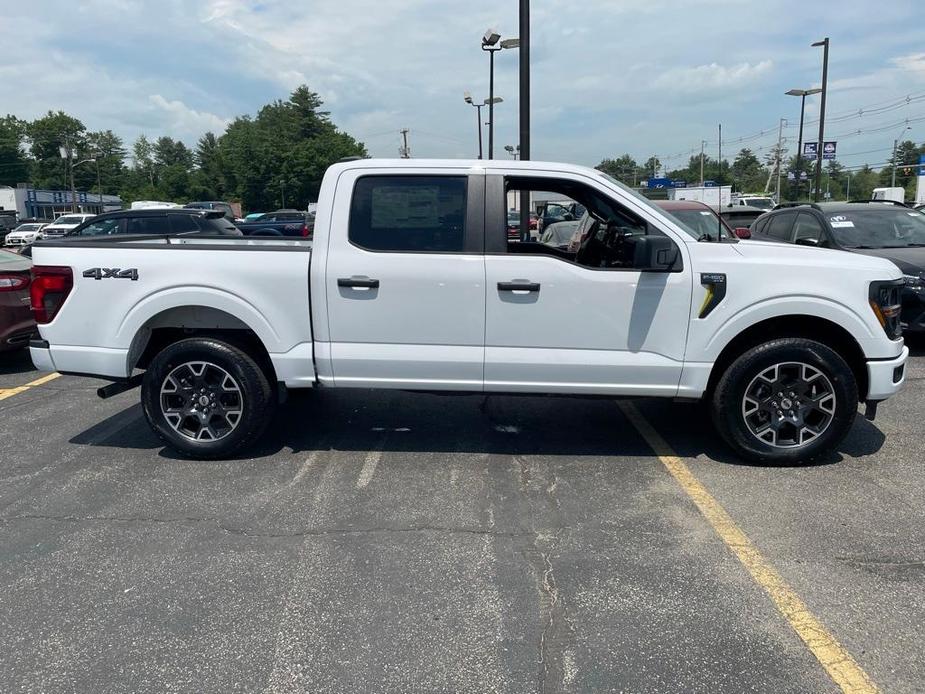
{"points": [[807, 242], [743, 232], [655, 254]]}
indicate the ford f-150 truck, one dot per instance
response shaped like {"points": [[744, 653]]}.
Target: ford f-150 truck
{"points": [[411, 283]]}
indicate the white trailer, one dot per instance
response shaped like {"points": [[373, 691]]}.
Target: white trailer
{"points": [[711, 195]]}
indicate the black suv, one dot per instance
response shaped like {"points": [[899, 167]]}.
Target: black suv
{"points": [[882, 229], [157, 222]]}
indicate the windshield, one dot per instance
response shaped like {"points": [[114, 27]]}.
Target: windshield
{"points": [[887, 227], [69, 220], [698, 223], [28, 227], [760, 203]]}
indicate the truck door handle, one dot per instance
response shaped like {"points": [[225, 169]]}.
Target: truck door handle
{"points": [[358, 282], [518, 286]]}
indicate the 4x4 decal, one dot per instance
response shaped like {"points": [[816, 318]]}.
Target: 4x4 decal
{"points": [[103, 273]]}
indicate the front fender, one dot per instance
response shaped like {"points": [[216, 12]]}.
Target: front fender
{"points": [[865, 330]]}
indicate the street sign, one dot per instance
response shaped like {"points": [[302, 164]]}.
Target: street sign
{"points": [[811, 150]]}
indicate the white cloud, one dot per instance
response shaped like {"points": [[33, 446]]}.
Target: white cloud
{"points": [[187, 120], [713, 76]]}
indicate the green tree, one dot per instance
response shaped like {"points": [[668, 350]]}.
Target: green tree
{"points": [[624, 168], [14, 166], [47, 136], [863, 183], [289, 145], [109, 151], [748, 173]]}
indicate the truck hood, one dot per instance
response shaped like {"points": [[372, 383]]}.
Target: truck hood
{"points": [[799, 258], [910, 260]]}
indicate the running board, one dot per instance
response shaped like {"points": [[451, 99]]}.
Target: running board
{"points": [[119, 386]]}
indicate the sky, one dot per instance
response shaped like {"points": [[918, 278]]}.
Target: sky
{"points": [[609, 76]]}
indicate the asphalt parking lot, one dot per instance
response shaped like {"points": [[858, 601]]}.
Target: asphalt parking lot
{"points": [[397, 542]]}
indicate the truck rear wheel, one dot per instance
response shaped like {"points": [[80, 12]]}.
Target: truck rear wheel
{"points": [[785, 402], [206, 398]]}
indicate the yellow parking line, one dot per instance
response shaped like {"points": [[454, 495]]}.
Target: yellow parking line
{"points": [[838, 663], [10, 392]]}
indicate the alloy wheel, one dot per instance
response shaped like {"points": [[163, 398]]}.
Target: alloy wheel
{"points": [[201, 401], [789, 405]]}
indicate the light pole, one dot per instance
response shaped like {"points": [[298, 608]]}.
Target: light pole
{"points": [[825, 77], [478, 107], [524, 69], [895, 143], [492, 43], [802, 93]]}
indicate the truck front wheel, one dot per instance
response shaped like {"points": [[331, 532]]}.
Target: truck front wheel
{"points": [[785, 402], [206, 398]]}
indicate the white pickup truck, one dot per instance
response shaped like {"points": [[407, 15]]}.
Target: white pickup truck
{"points": [[412, 283]]}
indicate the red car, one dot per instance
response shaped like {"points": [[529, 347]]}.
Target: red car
{"points": [[16, 323]]}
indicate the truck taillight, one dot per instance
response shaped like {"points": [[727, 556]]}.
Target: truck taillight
{"points": [[50, 286], [305, 231]]}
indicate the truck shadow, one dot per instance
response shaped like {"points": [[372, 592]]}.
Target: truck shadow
{"points": [[16, 362], [392, 421]]}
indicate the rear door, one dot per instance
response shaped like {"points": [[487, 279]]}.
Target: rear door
{"points": [[405, 280]]}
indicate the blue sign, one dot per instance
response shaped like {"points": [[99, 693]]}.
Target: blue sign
{"points": [[658, 183], [678, 183], [810, 149], [709, 184], [922, 165]]}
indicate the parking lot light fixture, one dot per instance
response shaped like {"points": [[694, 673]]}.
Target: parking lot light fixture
{"points": [[825, 78], [478, 108], [802, 93], [492, 43]]}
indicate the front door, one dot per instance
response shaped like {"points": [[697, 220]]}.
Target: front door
{"points": [[558, 321], [405, 281]]}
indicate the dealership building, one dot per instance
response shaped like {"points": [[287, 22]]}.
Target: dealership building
{"points": [[33, 203]]}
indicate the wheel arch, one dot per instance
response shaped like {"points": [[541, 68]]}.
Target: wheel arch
{"points": [[173, 324], [815, 328]]}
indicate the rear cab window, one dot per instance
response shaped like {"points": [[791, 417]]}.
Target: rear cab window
{"points": [[409, 214]]}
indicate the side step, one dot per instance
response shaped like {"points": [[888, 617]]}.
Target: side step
{"points": [[119, 386]]}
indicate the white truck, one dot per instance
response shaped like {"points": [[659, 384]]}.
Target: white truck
{"points": [[411, 283]]}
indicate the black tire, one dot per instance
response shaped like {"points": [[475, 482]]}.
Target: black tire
{"points": [[239, 407], [822, 411]]}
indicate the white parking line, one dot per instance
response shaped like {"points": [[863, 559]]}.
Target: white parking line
{"points": [[369, 468], [306, 466]]}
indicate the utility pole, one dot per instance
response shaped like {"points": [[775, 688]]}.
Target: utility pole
{"points": [[825, 76], [525, 112], [777, 159], [405, 151], [703, 143]]}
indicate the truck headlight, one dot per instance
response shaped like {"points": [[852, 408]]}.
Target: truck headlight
{"points": [[886, 304]]}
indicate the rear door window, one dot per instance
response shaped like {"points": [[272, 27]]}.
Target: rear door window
{"points": [[182, 223], [153, 224], [780, 226], [409, 213]]}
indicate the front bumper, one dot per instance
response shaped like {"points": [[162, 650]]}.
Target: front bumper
{"points": [[886, 377]]}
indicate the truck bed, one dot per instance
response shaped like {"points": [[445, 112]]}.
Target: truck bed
{"points": [[108, 316]]}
